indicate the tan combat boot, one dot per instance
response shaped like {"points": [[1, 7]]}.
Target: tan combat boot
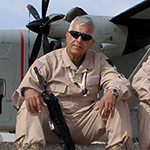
{"points": [[119, 146], [31, 147]]}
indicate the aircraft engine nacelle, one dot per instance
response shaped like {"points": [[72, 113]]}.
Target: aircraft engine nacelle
{"points": [[75, 12], [55, 44]]}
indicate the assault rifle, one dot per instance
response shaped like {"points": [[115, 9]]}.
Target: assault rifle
{"points": [[57, 124]]}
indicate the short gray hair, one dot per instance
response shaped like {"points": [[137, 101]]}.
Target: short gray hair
{"points": [[83, 20]]}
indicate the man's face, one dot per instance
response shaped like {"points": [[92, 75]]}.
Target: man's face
{"points": [[77, 47]]}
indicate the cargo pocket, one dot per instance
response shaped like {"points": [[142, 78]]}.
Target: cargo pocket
{"points": [[143, 111], [58, 89], [93, 84]]}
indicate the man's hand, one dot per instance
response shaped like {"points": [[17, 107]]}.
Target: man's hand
{"points": [[34, 101], [106, 105]]}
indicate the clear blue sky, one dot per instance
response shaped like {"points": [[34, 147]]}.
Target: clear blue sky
{"points": [[14, 14]]}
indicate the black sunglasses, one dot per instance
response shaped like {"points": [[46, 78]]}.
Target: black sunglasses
{"points": [[85, 37]]}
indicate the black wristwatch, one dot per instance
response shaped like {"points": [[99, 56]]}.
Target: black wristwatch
{"points": [[114, 92]]}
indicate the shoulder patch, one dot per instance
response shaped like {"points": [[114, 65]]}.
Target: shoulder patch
{"points": [[110, 62], [37, 63]]}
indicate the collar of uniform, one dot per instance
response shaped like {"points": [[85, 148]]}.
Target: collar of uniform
{"points": [[66, 60], [87, 62]]}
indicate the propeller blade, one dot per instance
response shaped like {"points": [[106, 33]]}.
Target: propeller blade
{"points": [[44, 7], [35, 50], [46, 46], [55, 18], [33, 11]]}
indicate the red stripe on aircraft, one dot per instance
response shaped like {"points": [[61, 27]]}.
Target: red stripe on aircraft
{"points": [[8, 100], [22, 54]]}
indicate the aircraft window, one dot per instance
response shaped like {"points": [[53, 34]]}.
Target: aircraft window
{"points": [[2, 87]]}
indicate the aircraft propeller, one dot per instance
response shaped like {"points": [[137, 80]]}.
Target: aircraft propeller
{"points": [[42, 27]]}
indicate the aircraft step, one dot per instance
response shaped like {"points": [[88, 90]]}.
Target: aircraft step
{"points": [[11, 146]]}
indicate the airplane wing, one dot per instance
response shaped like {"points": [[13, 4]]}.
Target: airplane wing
{"points": [[137, 19], [139, 11]]}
